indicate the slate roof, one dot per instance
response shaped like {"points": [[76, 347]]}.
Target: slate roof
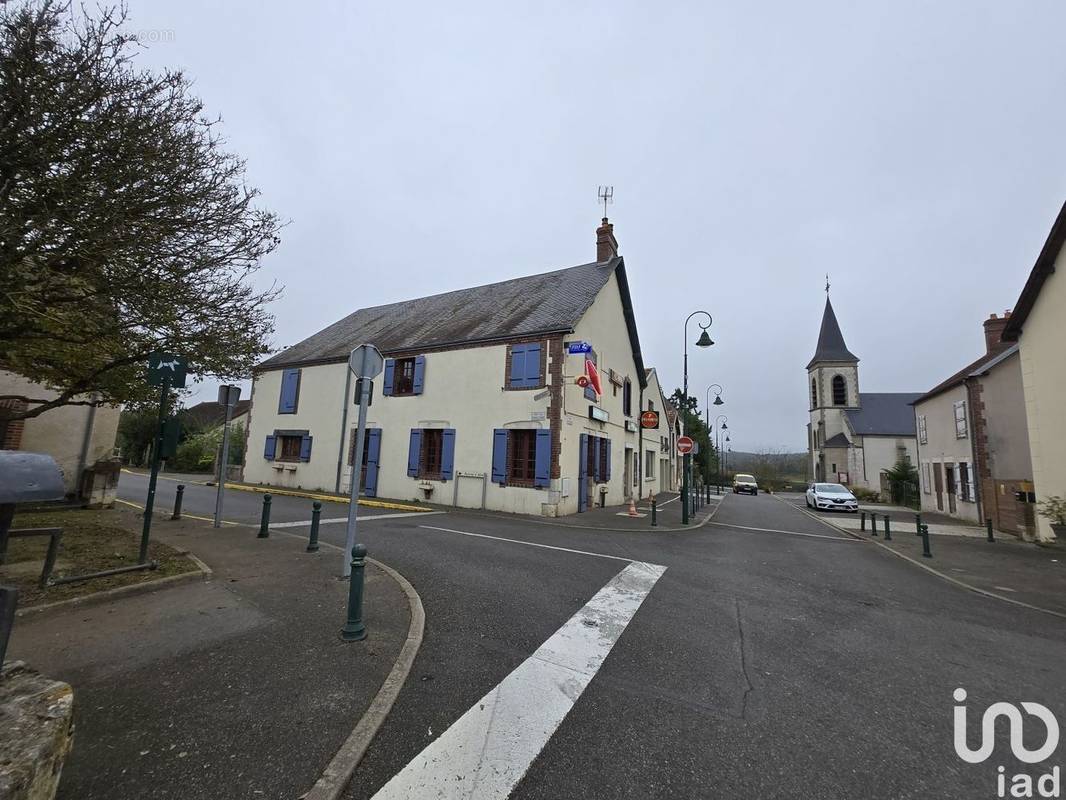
{"points": [[884, 414], [831, 345], [551, 302], [840, 440], [210, 414], [1042, 270], [974, 368]]}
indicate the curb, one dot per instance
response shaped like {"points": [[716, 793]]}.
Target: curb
{"points": [[552, 521], [332, 498], [202, 572], [927, 568], [337, 774]]}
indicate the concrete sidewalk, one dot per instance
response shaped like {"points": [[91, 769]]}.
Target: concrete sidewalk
{"points": [[1008, 568], [617, 518], [234, 687]]}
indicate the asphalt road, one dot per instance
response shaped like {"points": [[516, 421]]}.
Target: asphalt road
{"points": [[774, 657]]}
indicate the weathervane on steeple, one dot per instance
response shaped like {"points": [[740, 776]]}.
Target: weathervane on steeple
{"points": [[827, 284], [606, 195]]}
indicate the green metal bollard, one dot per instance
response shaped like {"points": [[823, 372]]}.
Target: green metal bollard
{"points": [[654, 521], [888, 529], [862, 521], [988, 527], [873, 525], [177, 501], [264, 523], [316, 512], [917, 524], [354, 630], [926, 552]]}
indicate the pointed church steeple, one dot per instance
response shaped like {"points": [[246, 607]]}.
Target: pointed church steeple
{"points": [[831, 345]]}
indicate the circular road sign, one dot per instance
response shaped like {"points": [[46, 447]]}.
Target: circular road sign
{"points": [[685, 444], [649, 419]]}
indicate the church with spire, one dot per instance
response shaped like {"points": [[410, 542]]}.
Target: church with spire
{"points": [[853, 437]]}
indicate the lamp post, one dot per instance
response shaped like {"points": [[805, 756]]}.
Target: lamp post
{"points": [[703, 341], [720, 425], [717, 402]]}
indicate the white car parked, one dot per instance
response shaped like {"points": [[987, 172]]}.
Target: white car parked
{"points": [[831, 497]]}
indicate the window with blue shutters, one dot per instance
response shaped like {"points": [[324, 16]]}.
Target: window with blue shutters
{"points": [[305, 448], [404, 376], [542, 474], [525, 370], [270, 448], [499, 456], [431, 454], [289, 399]]}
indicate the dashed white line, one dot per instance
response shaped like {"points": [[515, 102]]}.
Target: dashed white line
{"points": [[488, 750], [790, 533]]}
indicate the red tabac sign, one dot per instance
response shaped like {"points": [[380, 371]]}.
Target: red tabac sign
{"points": [[649, 419]]}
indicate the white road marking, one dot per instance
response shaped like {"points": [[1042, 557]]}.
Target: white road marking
{"points": [[488, 750], [362, 518], [529, 544], [790, 533]]}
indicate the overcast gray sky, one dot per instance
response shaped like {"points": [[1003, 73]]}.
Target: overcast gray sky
{"points": [[909, 149]]}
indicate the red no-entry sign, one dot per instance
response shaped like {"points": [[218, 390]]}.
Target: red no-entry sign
{"points": [[685, 445]]}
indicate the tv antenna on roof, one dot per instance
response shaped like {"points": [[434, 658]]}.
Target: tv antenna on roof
{"points": [[606, 195]]}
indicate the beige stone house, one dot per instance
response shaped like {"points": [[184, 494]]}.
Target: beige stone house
{"points": [[482, 401], [1038, 325], [78, 437], [973, 444]]}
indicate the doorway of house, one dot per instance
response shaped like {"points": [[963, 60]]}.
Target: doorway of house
{"points": [[949, 475], [938, 485]]}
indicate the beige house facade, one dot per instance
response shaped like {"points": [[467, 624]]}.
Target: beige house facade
{"points": [[973, 443], [78, 437], [487, 398], [1037, 326]]}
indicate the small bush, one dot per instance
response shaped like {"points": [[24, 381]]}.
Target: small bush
{"points": [[866, 495], [1054, 508]]}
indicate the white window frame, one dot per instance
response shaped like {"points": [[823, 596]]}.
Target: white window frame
{"points": [[968, 489], [650, 457], [962, 424], [927, 477], [923, 430]]}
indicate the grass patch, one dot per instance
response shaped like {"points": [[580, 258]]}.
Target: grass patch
{"points": [[92, 541]]}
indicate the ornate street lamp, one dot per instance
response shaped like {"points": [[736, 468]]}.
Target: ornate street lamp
{"points": [[703, 341]]}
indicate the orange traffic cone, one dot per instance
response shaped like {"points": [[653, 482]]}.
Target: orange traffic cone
{"points": [[633, 508]]}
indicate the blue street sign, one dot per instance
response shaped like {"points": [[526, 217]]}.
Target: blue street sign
{"points": [[578, 347]]}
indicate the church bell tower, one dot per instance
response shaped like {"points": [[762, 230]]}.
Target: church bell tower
{"points": [[833, 388]]}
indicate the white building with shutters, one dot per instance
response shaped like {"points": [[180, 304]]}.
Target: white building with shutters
{"points": [[479, 405]]}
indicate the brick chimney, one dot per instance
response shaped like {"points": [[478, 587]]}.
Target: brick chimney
{"points": [[994, 330], [606, 244]]}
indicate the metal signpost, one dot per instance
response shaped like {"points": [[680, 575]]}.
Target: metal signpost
{"points": [[366, 363], [167, 372], [684, 447], [228, 397]]}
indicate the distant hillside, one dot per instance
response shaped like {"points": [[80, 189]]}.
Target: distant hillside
{"points": [[770, 466]]}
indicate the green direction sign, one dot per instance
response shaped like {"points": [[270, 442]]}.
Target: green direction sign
{"points": [[169, 366]]}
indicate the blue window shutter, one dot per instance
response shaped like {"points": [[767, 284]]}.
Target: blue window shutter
{"points": [[517, 377], [373, 457], [390, 370], [582, 474], [542, 469], [305, 448], [271, 445], [290, 391], [607, 466], [420, 374], [499, 456], [594, 443], [414, 452], [447, 453], [532, 371]]}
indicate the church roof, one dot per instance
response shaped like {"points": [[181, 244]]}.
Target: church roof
{"points": [[831, 345], [840, 440], [884, 414]]}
